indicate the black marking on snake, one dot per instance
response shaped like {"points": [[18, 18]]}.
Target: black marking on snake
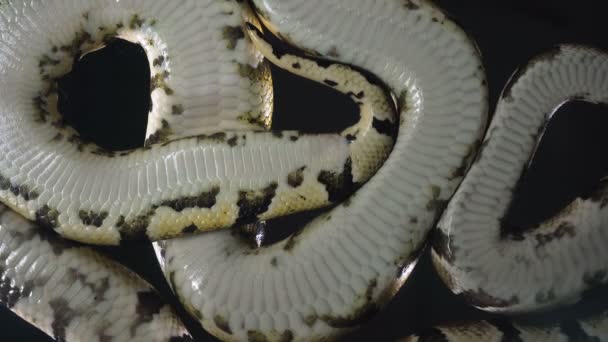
{"points": [[232, 142], [293, 239], [47, 217], [482, 299], [338, 185], [190, 229], [148, 305], [9, 293], [411, 5], [18, 190], [296, 66], [251, 203], [296, 178], [360, 95], [222, 324], [62, 316], [232, 34], [466, 161], [159, 81], [385, 127], [358, 315], [177, 109], [254, 74], [92, 218], [274, 262], [218, 137], [564, 229], [134, 228], [158, 61], [99, 290], [205, 199], [160, 136], [435, 204], [573, 330], [330, 82], [136, 22]]}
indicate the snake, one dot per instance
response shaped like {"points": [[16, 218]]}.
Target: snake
{"points": [[416, 158]]}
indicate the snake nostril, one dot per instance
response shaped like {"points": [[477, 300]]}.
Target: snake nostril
{"points": [[568, 163], [106, 95]]}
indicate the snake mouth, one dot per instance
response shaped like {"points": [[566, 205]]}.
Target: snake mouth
{"points": [[106, 95]]}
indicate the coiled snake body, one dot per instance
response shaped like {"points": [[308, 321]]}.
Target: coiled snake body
{"points": [[209, 163]]}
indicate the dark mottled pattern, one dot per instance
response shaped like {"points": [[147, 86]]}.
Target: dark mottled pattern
{"points": [[251, 203], [18, 190], [466, 161], [62, 316], [338, 185], [177, 109], [160, 136], [293, 239], [158, 61], [159, 81], [296, 178], [47, 217], [385, 127], [218, 137], [92, 218], [98, 289], [205, 199], [190, 229], [330, 83], [564, 229], [435, 203], [222, 324], [410, 5], [9, 292], [232, 34], [482, 299], [148, 305], [134, 228]]}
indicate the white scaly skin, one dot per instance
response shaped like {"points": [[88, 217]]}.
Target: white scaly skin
{"points": [[343, 266], [594, 328], [565, 255], [213, 80], [73, 293]]}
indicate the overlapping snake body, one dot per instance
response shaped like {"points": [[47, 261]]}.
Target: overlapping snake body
{"points": [[208, 163]]}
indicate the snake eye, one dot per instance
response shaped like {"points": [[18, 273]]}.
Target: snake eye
{"points": [[106, 95]]}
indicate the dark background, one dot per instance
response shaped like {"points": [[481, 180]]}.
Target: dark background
{"points": [[570, 159]]}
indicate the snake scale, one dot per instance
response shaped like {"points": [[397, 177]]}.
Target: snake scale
{"points": [[415, 159]]}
